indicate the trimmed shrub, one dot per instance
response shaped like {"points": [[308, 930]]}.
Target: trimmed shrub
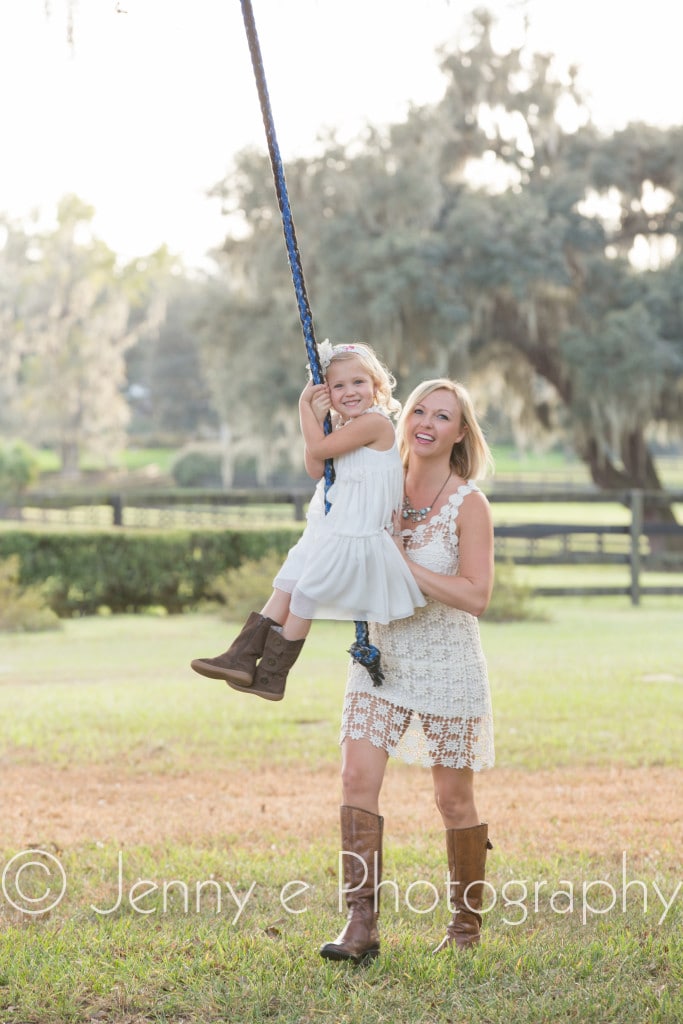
{"points": [[197, 467], [247, 587], [511, 601], [127, 571], [22, 609], [19, 467]]}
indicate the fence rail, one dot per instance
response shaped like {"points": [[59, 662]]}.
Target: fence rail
{"points": [[642, 544]]}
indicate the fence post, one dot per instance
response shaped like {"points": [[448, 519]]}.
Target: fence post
{"points": [[636, 498], [116, 502]]}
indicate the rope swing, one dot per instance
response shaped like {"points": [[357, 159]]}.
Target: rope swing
{"points": [[362, 650]]}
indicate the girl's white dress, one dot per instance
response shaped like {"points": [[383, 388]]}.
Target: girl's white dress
{"points": [[434, 707], [345, 565]]}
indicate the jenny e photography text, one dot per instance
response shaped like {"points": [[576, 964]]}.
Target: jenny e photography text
{"points": [[35, 882]]}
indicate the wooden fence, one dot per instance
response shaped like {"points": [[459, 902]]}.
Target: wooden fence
{"points": [[641, 544]]}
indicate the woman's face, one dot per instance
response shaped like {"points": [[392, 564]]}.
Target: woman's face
{"points": [[435, 424]]}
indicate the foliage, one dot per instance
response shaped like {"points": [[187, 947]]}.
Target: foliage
{"points": [[22, 609], [253, 361], [166, 390], [511, 600], [197, 466], [496, 236], [64, 329], [247, 587], [86, 572], [19, 466]]}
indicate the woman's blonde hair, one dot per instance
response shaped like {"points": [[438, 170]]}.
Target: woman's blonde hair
{"points": [[471, 457], [383, 380]]}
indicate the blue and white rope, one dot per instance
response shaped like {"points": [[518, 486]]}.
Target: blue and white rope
{"points": [[362, 650]]}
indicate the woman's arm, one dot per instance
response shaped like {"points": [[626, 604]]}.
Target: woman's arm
{"points": [[470, 590]]}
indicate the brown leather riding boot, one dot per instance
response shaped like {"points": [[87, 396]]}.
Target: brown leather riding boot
{"points": [[361, 835], [466, 869], [271, 672], [238, 663]]}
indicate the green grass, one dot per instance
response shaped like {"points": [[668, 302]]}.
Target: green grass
{"points": [[559, 467], [598, 684], [120, 689], [512, 466], [130, 458], [200, 971]]}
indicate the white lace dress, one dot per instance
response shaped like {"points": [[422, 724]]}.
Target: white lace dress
{"points": [[434, 707], [345, 565]]}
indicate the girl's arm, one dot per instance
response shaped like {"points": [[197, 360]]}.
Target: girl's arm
{"points": [[470, 590], [314, 467], [374, 430], [317, 398]]}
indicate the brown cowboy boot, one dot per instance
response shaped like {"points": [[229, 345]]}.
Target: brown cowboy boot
{"points": [[466, 868], [361, 834], [238, 663], [278, 656]]}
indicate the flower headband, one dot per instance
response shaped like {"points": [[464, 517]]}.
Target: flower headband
{"points": [[327, 351]]}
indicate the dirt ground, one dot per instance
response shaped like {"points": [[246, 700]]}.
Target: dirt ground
{"points": [[600, 811]]}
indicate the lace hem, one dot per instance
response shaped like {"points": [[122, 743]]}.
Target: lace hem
{"points": [[423, 739]]}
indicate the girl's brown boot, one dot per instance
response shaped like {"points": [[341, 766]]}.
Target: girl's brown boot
{"points": [[238, 663], [277, 658]]}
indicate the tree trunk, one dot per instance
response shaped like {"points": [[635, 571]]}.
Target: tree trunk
{"points": [[639, 473], [227, 456], [637, 470], [70, 459]]}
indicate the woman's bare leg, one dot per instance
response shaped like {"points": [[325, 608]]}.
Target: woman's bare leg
{"points": [[454, 796], [363, 767]]}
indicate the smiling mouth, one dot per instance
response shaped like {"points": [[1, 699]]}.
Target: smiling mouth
{"points": [[424, 437]]}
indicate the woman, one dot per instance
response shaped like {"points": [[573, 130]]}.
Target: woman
{"points": [[434, 707]]}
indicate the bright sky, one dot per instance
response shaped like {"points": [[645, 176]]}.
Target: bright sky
{"points": [[145, 115]]}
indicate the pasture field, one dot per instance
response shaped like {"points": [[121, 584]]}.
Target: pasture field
{"points": [[554, 466], [185, 848]]}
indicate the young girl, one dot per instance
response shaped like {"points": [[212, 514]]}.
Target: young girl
{"points": [[345, 565]]}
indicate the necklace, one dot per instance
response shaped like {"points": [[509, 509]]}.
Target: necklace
{"points": [[416, 515]]}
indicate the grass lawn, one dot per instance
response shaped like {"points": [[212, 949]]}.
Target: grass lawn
{"points": [[196, 830]]}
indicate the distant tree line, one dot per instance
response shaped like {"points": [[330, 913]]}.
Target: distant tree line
{"points": [[496, 236]]}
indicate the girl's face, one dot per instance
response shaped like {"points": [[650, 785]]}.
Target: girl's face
{"points": [[352, 389], [435, 424]]}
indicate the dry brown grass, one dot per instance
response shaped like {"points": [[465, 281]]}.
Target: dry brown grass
{"points": [[588, 810]]}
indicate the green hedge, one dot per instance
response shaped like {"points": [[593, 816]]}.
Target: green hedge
{"points": [[127, 571]]}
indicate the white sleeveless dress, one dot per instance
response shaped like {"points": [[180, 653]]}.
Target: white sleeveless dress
{"points": [[345, 565], [434, 707]]}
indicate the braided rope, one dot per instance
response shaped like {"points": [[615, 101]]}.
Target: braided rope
{"points": [[362, 650]]}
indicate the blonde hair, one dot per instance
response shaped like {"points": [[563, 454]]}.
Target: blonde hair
{"points": [[471, 457], [383, 380]]}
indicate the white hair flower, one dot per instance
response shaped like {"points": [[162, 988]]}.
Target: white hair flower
{"points": [[325, 351]]}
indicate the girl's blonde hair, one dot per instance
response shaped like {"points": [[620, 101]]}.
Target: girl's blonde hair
{"points": [[383, 380], [471, 457]]}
